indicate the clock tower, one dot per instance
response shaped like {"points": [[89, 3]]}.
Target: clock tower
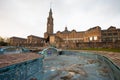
{"points": [[49, 25]]}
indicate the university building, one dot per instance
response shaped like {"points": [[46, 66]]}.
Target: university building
{"points": [[93, 37], [17, 41], [111, 34], [74, 38], [31, 40]]}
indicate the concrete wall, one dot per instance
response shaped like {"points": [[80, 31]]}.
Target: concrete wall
{"points": [[27, 70]]}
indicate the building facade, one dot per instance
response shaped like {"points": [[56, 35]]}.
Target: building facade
{"points": [[93, 37], [73, 38], [33, 41], [49, 25], [111, 34], [17, 41]]}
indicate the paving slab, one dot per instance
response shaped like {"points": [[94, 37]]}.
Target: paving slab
{"points": [[114, 56], [9, 59]]}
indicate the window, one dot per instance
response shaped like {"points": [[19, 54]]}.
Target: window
{"points": [[90, 38], [115, 34], [95, 37], [104, 34], [109, 34]]}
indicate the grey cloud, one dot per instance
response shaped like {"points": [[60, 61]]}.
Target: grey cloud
{"points": [[32, 14]]}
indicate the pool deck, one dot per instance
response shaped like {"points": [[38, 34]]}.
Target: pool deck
{"points": [[9, 59], [114, 56]]}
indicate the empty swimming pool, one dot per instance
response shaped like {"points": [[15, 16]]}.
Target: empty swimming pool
{"points": [[77, 66]]}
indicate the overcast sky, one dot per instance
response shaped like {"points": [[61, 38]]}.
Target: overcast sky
{"points": [[22, 18]]}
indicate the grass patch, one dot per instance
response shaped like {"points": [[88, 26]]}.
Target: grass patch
{"points": [[103, 49]]}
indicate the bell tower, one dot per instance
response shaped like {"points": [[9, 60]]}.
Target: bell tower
{"points": [[50, 23]]}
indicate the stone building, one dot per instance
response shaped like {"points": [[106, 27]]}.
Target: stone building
{"points": [[70, 37], [17, 41], [111, 34], [31, 40], [61, 38], [93, 35], [91, 38], [35, 41], [49, 25], [66, 37]]}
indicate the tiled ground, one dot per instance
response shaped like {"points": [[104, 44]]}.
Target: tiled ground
{"points": [[9, 59], [114, 56]]}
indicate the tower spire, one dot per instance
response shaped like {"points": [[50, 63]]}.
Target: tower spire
{"points": [[50, 13], [50, 23]]}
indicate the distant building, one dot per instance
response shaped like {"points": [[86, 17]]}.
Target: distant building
{"points": [[72, 38], [111, 34], [49, 25], [35, 41], [17, 41], [93, 35], [31, 40]]}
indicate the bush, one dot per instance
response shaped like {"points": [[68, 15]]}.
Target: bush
{"points": [[3, 43]]}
